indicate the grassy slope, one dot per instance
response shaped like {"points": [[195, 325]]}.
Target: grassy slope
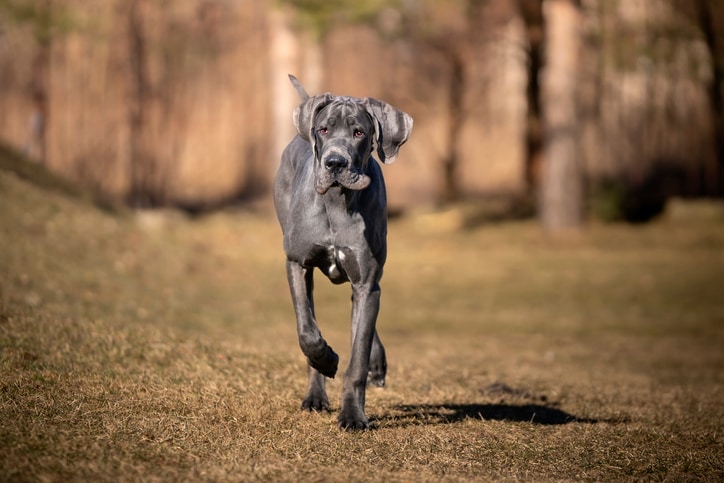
{"points": [[160, 348]]}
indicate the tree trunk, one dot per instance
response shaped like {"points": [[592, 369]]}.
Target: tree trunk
{"points": [[711, 19], [283, 61], [37, 142], [139, 164], [451, 185], [291, 52], [560, 201], [532, 13], [37, 145]]}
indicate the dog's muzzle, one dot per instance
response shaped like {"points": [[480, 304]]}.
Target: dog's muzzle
{"points": [[337, 170], [335, 163]]}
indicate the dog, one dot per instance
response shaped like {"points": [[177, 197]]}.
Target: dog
{"points": [[330, 200]]}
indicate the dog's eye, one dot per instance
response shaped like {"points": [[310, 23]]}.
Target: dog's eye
{"points": [[358, 133], [322, 130]]}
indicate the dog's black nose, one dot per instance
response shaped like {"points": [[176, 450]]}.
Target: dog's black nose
{"points": [[335, 163]]}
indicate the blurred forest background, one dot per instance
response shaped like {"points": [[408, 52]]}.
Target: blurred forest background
{"points": [[590, 107]]}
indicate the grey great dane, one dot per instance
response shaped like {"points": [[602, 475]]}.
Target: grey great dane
{"points": [[330, 199]]}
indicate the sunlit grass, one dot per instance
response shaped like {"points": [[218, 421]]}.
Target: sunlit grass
{"points": [[153, 346]]}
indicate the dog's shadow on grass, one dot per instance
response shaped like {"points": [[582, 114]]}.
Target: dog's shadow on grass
{"points": [[431, 414], [514, 405]]}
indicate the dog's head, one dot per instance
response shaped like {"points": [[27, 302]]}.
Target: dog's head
{"points": [[343, 131]]}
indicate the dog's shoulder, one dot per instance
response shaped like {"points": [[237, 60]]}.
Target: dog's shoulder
{"points": [[297, 152]]}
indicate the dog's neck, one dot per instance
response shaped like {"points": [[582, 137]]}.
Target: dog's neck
{"points": [[338, 196]]}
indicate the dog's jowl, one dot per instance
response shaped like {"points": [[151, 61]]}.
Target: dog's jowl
{"points": [[330, 199]]}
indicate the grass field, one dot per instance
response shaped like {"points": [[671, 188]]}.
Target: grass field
{"points": [[152, 347]]}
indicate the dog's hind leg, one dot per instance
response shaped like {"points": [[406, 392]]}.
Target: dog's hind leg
{"points": [[316, 398], [378, 363]]}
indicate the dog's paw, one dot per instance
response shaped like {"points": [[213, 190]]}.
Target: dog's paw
{"points": [[378, 365], [352, 420], [376, 375], [376, 381], [326, 363], [315, 403]]}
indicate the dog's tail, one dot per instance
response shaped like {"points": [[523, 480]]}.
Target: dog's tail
{"points": [[300, 90]]}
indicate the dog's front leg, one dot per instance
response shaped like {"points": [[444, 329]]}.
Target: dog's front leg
{"points": [[365, 306], [319, 355]]}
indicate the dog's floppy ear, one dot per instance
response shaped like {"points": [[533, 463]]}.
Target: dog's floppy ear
{"points": [[305, 112], [393, 128]]}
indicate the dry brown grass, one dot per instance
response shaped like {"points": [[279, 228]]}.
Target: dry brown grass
{"points": [[154, 347]]}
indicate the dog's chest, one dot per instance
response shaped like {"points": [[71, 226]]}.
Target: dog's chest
{"points": [[329, 243]]}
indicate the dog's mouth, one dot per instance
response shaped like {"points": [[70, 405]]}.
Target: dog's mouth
{"points": [[349, 178]]}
